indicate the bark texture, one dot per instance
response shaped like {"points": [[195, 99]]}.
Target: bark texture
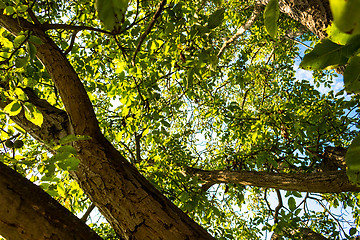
{"points": [[28, 213], [135, 208], [315, 15], [320, 182], [305, 234]]}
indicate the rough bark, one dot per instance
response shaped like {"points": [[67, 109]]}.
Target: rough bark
{"points": [[315, 15], [135, 208], [305, 233], [320, 182], [27, 212]]}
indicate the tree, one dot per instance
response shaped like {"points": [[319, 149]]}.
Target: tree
{"points": [[116, 106]]}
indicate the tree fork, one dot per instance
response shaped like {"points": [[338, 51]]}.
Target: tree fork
{"points": [[135, 208]]}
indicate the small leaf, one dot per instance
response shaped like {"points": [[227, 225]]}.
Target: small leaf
{"points": [[9, 10], [31, 50], [271, 16], [352, 231], [22, 8], [19, 40], [33, 114], [20, 94], [67, 148], [292, 203], [328, 53], [35, 40], [21, 61], [346, 15], [216, 18], [13, 108], [352, 74]]}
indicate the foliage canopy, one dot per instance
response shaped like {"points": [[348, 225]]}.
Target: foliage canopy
{"points": [[179, 97]]}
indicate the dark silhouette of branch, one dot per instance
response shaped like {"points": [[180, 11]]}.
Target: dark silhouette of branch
{"points": [[147, 31]]}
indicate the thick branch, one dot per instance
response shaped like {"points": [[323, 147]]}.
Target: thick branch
{"points": [[134, 207], [27, 212], [321, 182], [71, 90], [242, 29]]}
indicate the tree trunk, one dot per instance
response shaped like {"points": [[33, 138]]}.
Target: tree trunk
{"points": [[28, 213], [135, 208], [315, 15]]}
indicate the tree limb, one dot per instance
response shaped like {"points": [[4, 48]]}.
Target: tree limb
{"points": [[27, 212], [321, 182], [242, 29]]}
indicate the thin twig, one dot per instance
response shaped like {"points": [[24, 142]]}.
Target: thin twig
{"points": [[48, 26], [72, 41], [242, 29], [147, 31]]}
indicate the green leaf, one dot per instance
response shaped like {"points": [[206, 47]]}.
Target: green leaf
{"points": [[61, 156], [216, 18], [20, 39], [70, 164], [22, 8], [31, 50], [353, 161], [352, 74], [352, 231], [292, 203], [71, 138], [20, 94], [67, 148], [111, 12], [9, 10], [190, 78], [21, 61], [35, 40], [33, 114], [337, 36], [346, 15], [271, 16], [328, 53], [13, 108]]}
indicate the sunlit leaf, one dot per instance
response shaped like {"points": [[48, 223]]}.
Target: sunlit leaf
{"points": [[271, 16], [352, 74], [346, 15], [328, 53], [33, 114], [13, 108]]}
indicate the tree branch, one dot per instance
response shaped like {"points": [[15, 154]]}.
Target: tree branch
{"points": [[242, 29], [48, 26], [27, 212], [321, 182], [147, 31]]}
